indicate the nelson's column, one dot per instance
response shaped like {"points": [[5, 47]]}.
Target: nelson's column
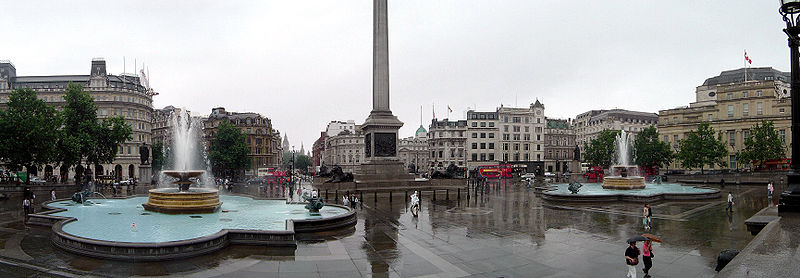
{"points": [[380, 128]]}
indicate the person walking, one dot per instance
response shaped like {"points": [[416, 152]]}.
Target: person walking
{"points": [[26, 206], [770, 189], [52, 194], [632, 259], [645, 220], [730, 202], [647, 257]]}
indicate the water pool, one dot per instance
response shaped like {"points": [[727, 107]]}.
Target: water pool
{"points": [[596, 189], [124, 220]]}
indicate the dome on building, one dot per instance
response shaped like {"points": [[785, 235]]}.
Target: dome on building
{"points": [[421, 129]]}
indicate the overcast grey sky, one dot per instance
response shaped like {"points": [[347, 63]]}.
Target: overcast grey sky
{"points": [[305, 63]]}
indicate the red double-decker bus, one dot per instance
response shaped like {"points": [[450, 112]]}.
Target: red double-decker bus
{"points": [[495, 171]]}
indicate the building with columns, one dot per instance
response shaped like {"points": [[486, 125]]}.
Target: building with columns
{"points": [[447, 143], [589, 124], [114, 95], [413, 151], [262, 139], [559, 146], [346, 150], [733, 102]]}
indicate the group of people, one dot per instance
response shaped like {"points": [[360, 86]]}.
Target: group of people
{"points": [[28, 201], [350, 200], [632, 258]]}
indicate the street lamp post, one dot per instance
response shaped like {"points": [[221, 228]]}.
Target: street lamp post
{"points": [[790, 199]]}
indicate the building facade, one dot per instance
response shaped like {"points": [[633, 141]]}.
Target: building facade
{"points": [[262, 139], [559, 146], [317, 150], [413, 151], [483, 140], [346, 150], [446, 142], [589, 124], [114, 95], [732, 103]]}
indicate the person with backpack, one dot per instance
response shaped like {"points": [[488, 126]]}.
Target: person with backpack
{"points": [[632, 259]]}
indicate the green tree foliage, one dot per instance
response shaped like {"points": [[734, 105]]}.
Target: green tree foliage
{"points": [[302, 162], [29, 130], [600, 150], [650, 152], [763, 144], [701, 147], [83, 136], [228, 151], [158, 156]]}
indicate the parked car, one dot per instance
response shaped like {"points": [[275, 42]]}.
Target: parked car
{"points": [[549, 174], [37, 180], [129, 181], [528, 176]]}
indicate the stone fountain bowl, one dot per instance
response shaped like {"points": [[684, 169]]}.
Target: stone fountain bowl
{"points": [[183, 175]]}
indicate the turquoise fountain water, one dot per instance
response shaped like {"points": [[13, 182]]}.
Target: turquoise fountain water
{"points": [[124, 220]]}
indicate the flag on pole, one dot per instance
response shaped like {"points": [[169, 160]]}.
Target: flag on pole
{"points": [[747, 58], [448, 108]]}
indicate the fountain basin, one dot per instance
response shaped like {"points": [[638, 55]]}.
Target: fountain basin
{"points": [[174, 201], [624, 183], [594, 193]]}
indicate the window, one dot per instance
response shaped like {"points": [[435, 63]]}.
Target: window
{"points": [[538, 137], [730, 111], [483, 157], [526, 147], [783, 136], [745, 109], [483, 134], [781, 110], [491, 146], [474, 157], [759, 108], [505, 128], [491, 134], [730, 96], [516, 119], [491, 156], [758, 93], [474, 124], [483, 146], [505, 119], [506, 136], [516, 147], [474, 146], [746, 135], [474, 135], [744, 94], [491, 124], [732, 137], [505, 146], [527, 129], [516, 136], [674, 120], [538, 147], [483, 124], [710, 117], [732, 161]]}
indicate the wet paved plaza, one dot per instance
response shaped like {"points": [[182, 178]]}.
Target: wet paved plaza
{"points": [[506, 232]]}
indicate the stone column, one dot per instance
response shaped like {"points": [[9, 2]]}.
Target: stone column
{"points": [[380, 57]]}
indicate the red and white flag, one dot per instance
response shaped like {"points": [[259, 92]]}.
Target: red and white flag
{"points": [[747, 58]]}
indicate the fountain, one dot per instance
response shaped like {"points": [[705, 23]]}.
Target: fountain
{"points": [[184, 199], [624, 175]]}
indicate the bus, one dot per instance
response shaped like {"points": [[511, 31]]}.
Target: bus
{"points": [[783, 164], [495, 171], [585, 167]]}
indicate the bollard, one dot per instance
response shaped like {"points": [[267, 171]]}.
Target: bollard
{"points": [[458, 196], [375, 196], [390, 196], [447, 194], [326, 195], [336, 196], [405, 197], [361, 196], [434, 194]]}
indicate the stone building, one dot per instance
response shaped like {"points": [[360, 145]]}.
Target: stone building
{"points": [[559, 146], [114, 95], [483, 139], [346, 149], [413, 151], [446, 142], [262, 139], [589, 124], [317, 150], [732, 103]]}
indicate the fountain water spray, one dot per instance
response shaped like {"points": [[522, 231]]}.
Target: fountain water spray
{"points": [[187, 150]]}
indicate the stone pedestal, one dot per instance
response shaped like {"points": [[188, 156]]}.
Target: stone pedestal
{"points": [[790, 199]]}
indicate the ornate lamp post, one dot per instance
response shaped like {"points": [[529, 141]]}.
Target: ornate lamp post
{"points": [[790, 199]]}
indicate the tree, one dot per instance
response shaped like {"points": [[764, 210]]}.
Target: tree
{"points": [[701, 148], [302, 162], [29, 130], [83, 136], [650, 152], [158, 156], [764, 143], [228, 151], [600, 150]]}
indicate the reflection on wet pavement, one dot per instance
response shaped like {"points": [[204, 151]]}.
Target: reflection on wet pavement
{"points": [[508, 231]]}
